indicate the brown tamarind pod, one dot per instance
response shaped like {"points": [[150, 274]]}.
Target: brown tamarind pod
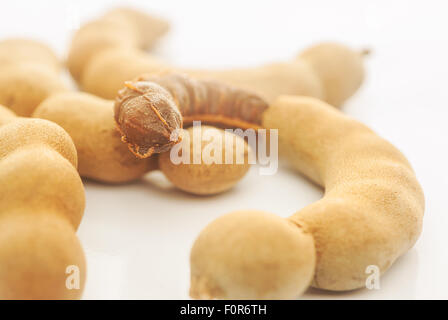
{"points": [[151, 108]]}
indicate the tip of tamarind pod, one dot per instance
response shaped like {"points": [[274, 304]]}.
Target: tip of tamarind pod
{"points": [[144, 152], [147, 118]]}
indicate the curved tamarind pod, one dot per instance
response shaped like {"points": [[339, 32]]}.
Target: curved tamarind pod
{"points": [[328, 71], [41, 205], [23, 87], [292, 77], [26, 83], [89, 120], [128, 64], [17, 51], [120, 27], [107, 72], [251, 255], [22, 137], [29, 75], [371, 213], [149, 28], [149, 109]]}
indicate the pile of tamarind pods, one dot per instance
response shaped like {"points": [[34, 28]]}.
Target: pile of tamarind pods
{"points": [[121, 127]]}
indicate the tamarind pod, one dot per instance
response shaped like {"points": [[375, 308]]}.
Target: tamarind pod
{"points": [[370, 215], [23, 87], [328, 71], [208, 99], [36, 250], [269, 80], [149, 28], [339, 69], [96, 36], [251, 254], [25, 84], [149, 109], [29, 75], [89, 121], [104, 157], [40, 141], [6, 115], [41, 205], [128, 63], [107, 71], [121, 28], [372, 211], [17, 51], [20, 132], [207, 178]]}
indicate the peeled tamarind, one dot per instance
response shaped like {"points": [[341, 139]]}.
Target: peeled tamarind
{"points": [[370, 215], [41, 206], [328, 71]]}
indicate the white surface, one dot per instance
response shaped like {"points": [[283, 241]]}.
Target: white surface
{"points": [[137, 237]]}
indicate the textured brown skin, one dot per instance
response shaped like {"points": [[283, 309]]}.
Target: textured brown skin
{"points": [[29, 75], [371, 214], [150, 108], [41, 206], [206, 179], [209, 99], [146, 116], [120, 27], [306, 76], [90, 122]]}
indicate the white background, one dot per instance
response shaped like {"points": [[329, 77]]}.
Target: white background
{"points": [[137, 237]]}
